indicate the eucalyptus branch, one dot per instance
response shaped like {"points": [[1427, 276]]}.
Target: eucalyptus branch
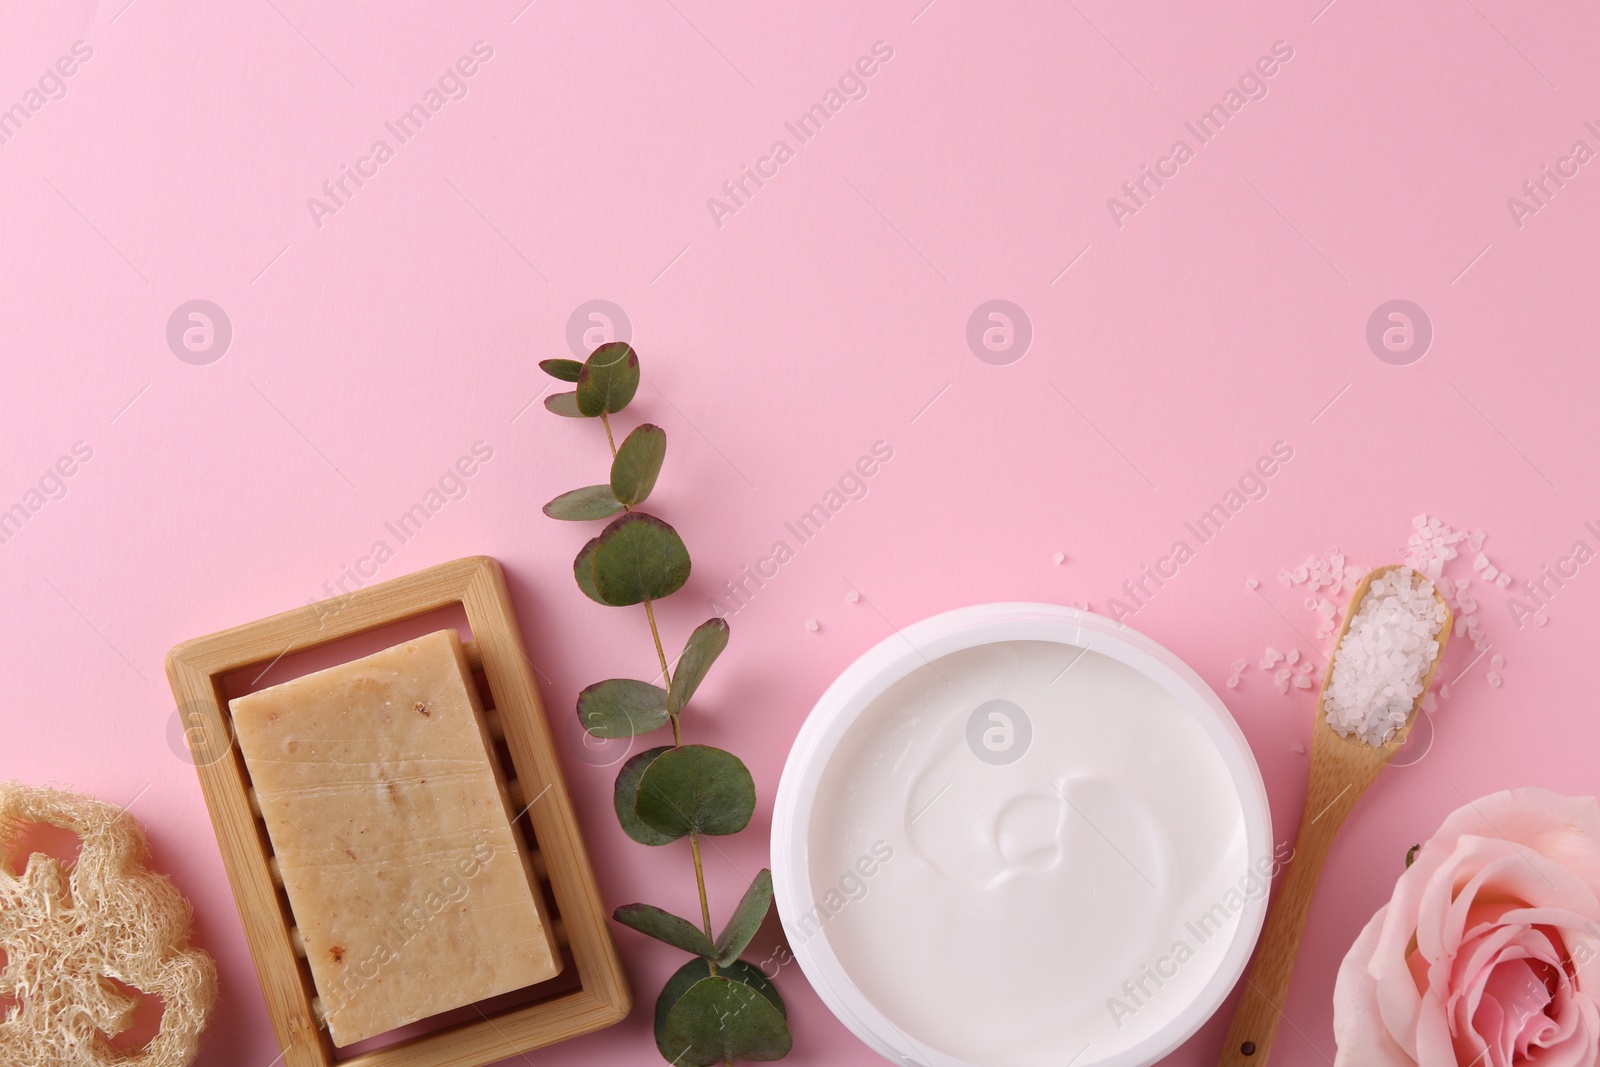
{"points": [[716, 1008]]}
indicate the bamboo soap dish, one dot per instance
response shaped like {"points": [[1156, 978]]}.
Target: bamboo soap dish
{"points": [[590, 994]]}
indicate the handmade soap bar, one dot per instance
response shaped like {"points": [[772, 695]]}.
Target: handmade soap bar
{"points": [[394, 837]]}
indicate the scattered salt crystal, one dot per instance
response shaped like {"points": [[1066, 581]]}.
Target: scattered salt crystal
{"points": [[1252, 583], [1293, 656], [1239, 666], [853, 596], [1295, 746], [1391, 643], [811, 624], [1305, 666], [1300, 573], [1540, 618], [1283, 676], [1060, 558], [1494, 679], [1429, 702], [1311, 603], [1481, 562], [1497, 661], [1270, 657], [1325, 608], [1420, 522], [1468, 604], [1491, 573], [1481, 646], [1302, 682], [1284, 577], [1502, 579], [1444, 691], [1233, 681]]}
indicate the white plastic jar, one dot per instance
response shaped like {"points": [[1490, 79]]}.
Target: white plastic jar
{"points": [[1020, 834]]}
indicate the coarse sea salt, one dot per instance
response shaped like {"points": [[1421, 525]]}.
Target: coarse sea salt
{"points": [[1380, 664]]}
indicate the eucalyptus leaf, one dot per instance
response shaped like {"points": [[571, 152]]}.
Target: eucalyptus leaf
{"points": [[639, 557], [608, 380], [625, 798], [699, 652], [638, 463], [696, 789], [685, 977], [746, 919], [622, 707], [720, 1020], [665, 926], [564, 404], [590, 502], [564, 369], [583, 571]]}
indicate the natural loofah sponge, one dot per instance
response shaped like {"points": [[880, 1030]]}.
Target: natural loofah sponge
{"points": [[66, 931]]}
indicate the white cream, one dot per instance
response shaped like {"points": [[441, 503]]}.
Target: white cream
{"points": [[1026, 912]]}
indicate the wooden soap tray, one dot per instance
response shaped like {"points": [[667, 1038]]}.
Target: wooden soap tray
{"points": [[510, 1025]]}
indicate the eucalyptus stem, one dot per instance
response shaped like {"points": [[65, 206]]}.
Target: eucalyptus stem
{"points": [[677, 730], [677, 736], [667, 792], [700, 878]]}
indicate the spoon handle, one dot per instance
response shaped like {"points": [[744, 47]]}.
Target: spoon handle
{"points": [[1339, 775]]}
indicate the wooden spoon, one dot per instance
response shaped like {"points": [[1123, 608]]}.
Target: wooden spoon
{"points": [[1341, 770]]}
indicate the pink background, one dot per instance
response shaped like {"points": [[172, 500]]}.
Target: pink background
{"points": [[826, 314]]}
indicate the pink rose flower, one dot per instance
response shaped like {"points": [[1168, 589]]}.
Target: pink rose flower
{"points": [[1488, 954]]}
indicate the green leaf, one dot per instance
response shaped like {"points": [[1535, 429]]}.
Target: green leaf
{"points": [[590, 502], [665, 926], [638, 462], [746, 919], [564, 404], [699, 653], [583, 571], [622, 707], [696, 789], [685, 978], [639, 557], [720, 1020], [609, 378], [564, 369], [625, 799]]}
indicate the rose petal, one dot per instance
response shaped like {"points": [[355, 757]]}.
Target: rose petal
{"points": [[1357, 1025]]}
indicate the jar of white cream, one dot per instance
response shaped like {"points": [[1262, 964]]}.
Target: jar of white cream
{"points": [[1020, 834]]}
